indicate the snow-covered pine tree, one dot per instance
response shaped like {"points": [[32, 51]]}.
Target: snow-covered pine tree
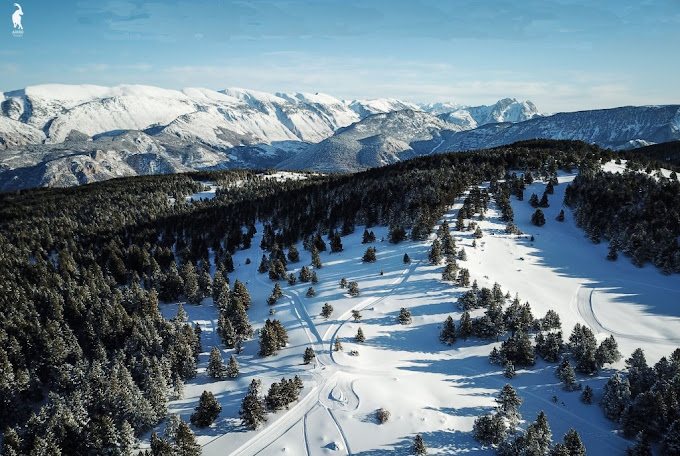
{"points": [[253, 412], [404, 316], [232, 367], [207, 410], [216, 368], [448, 332]]}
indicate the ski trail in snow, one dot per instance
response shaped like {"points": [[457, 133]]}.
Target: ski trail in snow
{"points": [[340, 430], [365, 304], [584, 301], [300, 412]]}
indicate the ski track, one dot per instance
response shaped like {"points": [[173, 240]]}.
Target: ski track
{"points": [[279, 428], [584, 298]]}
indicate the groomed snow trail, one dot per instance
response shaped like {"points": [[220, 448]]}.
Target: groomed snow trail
{"points": [[584, 299]]}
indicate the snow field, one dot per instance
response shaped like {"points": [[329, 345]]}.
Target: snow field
{"points": [[428, 387]]}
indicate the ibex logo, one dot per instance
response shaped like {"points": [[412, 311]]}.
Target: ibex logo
{"points": [[18, 28]]}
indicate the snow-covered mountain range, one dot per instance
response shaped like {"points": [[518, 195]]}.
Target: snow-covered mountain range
{"points": [[63, 135]]}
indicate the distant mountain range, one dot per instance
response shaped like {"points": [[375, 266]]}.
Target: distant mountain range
{"points": [[62, 135]]}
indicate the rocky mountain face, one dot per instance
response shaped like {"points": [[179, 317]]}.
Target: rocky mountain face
{"points": [[377, 140], [61, 135]]}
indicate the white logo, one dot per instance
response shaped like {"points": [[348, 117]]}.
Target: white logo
{"points": [[18, 30]]}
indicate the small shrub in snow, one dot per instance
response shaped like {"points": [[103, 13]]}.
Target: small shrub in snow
{"points": [[382, 415]]}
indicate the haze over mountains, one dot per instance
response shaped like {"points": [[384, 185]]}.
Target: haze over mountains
{"points": [[61, 135]]}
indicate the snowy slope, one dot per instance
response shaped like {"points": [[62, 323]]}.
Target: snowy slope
{"points": [[429, 388], [16, 134], [505, 110], [613, 128], [376, 140], [365, 108]]}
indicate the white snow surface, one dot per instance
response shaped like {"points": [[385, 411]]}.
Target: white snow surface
{"points": [[429, 388]]}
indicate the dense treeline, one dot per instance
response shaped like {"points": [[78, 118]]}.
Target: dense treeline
{"points": [[89, 362], [637, 213]]}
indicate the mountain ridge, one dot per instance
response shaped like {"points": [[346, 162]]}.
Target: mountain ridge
{"points": [[60, 135]]}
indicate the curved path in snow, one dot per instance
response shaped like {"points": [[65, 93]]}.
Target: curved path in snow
{"points": [[333, 390], [584, 304]]}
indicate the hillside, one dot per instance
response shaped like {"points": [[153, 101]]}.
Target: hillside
{"points": [[176, 297]]}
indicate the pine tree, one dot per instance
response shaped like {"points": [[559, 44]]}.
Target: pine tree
{"points": [[216, 368], [615, 396], [252, 410], [292, 280], [397, 234], [464, 278], [356, 315], [462, 255], [478, 234], [207, 410], [560, 216], [241, 293], [336, 243], [315, 278], [204, 280], [671, 439], [268, 340], [159, 446], [587, 395], [448, 333], [226, 331], [573, 443], [538, 436], [239, 319], [538, 218], [232, 367], [220, 293], [360, 336], [465, 327], [305, 275], [419, 447], [404, 316], [309, 355], [495, 357], [568, 377], [533, 200], [293, 254], [544, 200], [435, 255], [343, 283], [316, 258], [508, 405], [310, 292], [185, 441], [509, 370], [326, 311], [607, 352], [353, 289], [192, 291], [449, 274], [407, 259], [489, 429], [369, 255]]}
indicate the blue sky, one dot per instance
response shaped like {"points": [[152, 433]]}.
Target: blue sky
{"points": [[563, 55]]}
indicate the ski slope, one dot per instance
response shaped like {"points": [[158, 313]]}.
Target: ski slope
{"points": [[429, 388]]}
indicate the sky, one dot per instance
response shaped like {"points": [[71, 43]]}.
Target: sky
{"points": [[562, 55]]}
